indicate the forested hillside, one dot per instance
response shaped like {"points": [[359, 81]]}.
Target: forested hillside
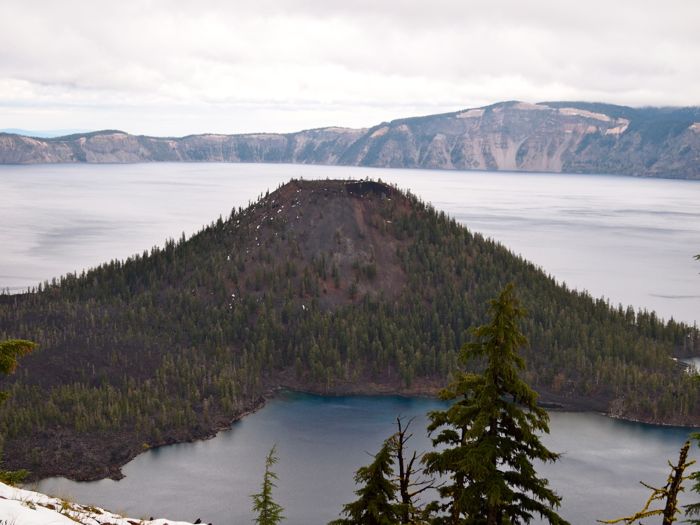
{"points": [[326, 286]]}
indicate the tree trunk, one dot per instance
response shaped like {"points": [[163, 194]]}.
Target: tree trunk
{"points": [[675, 486]]}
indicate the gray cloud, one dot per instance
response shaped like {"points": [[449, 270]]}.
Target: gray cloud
{"points": [[175, 66]]}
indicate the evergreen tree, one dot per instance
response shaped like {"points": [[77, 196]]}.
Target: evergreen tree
{"points": [[694, 508], [376, 504], [267, 511], [489, 437], [10, 351]]}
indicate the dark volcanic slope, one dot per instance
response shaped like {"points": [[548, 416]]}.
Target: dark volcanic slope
{"points": [[329, 286], [570, 137]]}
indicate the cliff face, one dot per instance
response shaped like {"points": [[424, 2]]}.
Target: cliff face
{"points": [[322, 146], [552, 137], [567, 137]]}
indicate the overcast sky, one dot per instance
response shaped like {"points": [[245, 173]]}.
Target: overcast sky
{"points": [[173, 67]]}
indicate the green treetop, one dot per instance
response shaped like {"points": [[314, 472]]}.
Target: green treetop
{"points": [[489, 437], [376, 504], [267, 511], [10, 351]]}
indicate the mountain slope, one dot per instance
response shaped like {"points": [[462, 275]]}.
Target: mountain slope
{"points": [[325, 286], [568, 137]]}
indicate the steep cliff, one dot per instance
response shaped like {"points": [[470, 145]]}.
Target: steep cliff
{"points": [[568, 137], [321, 146]]}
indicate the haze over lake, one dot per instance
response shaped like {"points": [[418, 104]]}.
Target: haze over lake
{"points": [[631, 240]]}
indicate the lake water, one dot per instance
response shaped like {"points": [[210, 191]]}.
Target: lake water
{"points": [[321, 441], [629, 239]]}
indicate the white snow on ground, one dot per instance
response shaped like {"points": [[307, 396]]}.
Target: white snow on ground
{"points": [[24, 507], [622, 125], [575, 112], [471, 113], [525, 106]]}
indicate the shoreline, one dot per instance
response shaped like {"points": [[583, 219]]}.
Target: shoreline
{"points": [[550, 403]]}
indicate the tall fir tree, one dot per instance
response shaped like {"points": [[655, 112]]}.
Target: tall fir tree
{"points": [[267, 511], [376, 504], [489, 438]]}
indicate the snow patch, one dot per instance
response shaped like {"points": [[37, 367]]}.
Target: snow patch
{"points": [[526, 106], [622, 125], [575, 112], [471, 113], [337, 129], [381, 131], [25, 507]]}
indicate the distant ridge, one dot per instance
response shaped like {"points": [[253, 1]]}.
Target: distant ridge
{"points": [[560, 137], [45, 134]]}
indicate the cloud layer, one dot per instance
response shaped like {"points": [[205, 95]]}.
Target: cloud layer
{"points": [[176, 66]]}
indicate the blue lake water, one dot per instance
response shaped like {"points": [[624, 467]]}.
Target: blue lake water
{"points": [[629, 239]]}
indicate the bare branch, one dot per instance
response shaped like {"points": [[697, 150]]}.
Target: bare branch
{"points": [[669, 493]]}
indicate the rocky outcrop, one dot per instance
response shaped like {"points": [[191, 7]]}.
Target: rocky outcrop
{"points": [[569, 137]]}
